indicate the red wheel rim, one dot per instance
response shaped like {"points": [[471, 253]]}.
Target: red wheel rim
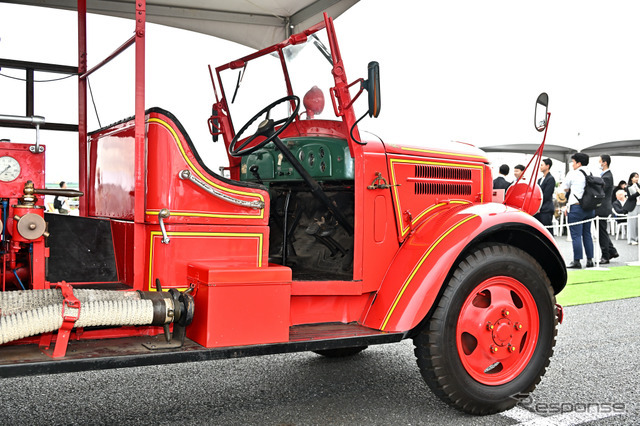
{"points": [[497, 330]]}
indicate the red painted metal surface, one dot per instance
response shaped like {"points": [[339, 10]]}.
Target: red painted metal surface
{"points": [[168, 154], [319, 309], [424, 185], [31, 168], [240, 306], [418, 271], [223, 247], [497, 330], [82, 105], [122, 236]]}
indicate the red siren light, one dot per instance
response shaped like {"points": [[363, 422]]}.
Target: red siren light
{"points": [[313, 102]]}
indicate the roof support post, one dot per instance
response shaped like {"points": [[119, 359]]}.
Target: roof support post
{"points": [[140, 148], [82, 105]]}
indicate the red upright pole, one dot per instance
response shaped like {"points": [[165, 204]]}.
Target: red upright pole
{"points": [[140, 148], [82, 104]]}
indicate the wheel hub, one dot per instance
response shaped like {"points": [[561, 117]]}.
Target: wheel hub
{"points": [[502, 332]]}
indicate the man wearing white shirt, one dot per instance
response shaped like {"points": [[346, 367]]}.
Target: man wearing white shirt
{"points": [[580, 232]]}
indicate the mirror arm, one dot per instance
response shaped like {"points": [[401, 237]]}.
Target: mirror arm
{"points": [[333, 91]]}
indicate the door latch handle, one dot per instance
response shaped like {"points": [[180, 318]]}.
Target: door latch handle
{"points": [[163, 214], [380, 183]]}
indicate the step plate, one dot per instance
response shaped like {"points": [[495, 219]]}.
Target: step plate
{"points": [[28, 360]]}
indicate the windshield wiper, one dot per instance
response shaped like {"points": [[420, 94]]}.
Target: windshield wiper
{"points": [[322, 48], [240, 77]]}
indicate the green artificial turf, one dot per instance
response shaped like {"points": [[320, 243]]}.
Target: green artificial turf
{"points": [[589, 286]]}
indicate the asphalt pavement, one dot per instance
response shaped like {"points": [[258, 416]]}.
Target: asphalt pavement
{"points": [[596, 365], [628, 253]]}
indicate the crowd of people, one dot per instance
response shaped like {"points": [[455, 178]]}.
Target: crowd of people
{"points": [[564, 198]]}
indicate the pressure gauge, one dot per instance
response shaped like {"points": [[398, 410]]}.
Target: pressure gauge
{"points": [[9, 169]]}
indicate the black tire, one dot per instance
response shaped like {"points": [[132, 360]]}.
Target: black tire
{"points": [[341, 352], [443, 351]]}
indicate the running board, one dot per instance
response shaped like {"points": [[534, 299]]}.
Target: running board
{"points": [[28, 360]]}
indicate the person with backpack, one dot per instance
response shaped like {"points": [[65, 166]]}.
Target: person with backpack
{"points": [[60, 202], [574, 184]]}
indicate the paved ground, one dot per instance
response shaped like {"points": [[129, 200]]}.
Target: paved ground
{"points": [[628, 253], [596, 364]]}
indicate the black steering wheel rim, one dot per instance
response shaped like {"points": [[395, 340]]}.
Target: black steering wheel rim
{"points": [[238, 151]]}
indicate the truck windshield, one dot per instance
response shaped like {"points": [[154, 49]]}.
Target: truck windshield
{"points": [[262, 81]]}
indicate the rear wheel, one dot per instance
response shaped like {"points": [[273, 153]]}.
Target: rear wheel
{"points": [[341, 352], [492, 333]]}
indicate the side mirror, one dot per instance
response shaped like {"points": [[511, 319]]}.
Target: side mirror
{"points": [[373, 87], [542, 105], [214, 124]]}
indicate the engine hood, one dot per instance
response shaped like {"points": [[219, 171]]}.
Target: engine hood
{"points": [[458, 150]]}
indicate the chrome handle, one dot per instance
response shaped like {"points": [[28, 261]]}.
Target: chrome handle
{"points": [[163, 214], [187, 175]]}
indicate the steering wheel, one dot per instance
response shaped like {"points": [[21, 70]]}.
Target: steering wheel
{"points": [[266, 128]]}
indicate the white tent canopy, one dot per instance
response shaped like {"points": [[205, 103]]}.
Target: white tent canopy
{"points": [[253, 23]]}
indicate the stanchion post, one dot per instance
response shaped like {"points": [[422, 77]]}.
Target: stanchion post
{"points": [[597, 253], [637, 262]]}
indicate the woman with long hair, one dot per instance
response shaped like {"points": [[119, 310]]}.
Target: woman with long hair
{"points": [[633, 190], [621, 185]]}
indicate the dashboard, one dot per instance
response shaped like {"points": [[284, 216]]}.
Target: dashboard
{"points": [[324, 158]]}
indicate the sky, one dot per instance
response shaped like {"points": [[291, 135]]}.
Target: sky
{"points": [[450, 71]]}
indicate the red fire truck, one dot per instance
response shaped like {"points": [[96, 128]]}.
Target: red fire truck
{"points": [[316, 237]]}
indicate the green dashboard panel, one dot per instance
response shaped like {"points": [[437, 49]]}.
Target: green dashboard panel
{"points": [[323, 158]]}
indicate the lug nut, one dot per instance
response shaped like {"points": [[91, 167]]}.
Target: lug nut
{"points": [[505, 312], [512, 348], [493, 349], [490, 326], [518, 326]]}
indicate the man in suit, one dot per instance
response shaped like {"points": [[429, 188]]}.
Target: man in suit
{"points": [[606, 246], [548, 185], [618, 204], [500, 182]]}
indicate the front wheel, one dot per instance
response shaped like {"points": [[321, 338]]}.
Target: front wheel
{"points": [[492, 333]]}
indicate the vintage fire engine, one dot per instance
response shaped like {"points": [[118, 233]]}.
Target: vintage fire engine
{"points": [[319, 239]]}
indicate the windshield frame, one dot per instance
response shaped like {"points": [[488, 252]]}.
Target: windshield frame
{"points": [[277, 49], [344, 126]]}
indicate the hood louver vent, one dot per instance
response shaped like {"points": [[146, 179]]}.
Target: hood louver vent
{"points": [[438, 180], [439, 172]]}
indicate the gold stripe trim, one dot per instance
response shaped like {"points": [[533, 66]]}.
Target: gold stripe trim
{"points": [[417, 267], [197, 172], [154, 234], [429, 151], [404, 230]]}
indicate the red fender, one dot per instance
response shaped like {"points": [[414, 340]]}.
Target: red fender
{"points": [[417, 273]]}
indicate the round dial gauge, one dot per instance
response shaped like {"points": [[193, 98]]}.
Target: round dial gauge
{"points": [[9, 168]]}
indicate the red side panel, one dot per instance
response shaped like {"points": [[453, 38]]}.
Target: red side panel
{"points": [[240, 306], [112, 181], [424, 185], [168, 154], [223, 246], [122, 234]]}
